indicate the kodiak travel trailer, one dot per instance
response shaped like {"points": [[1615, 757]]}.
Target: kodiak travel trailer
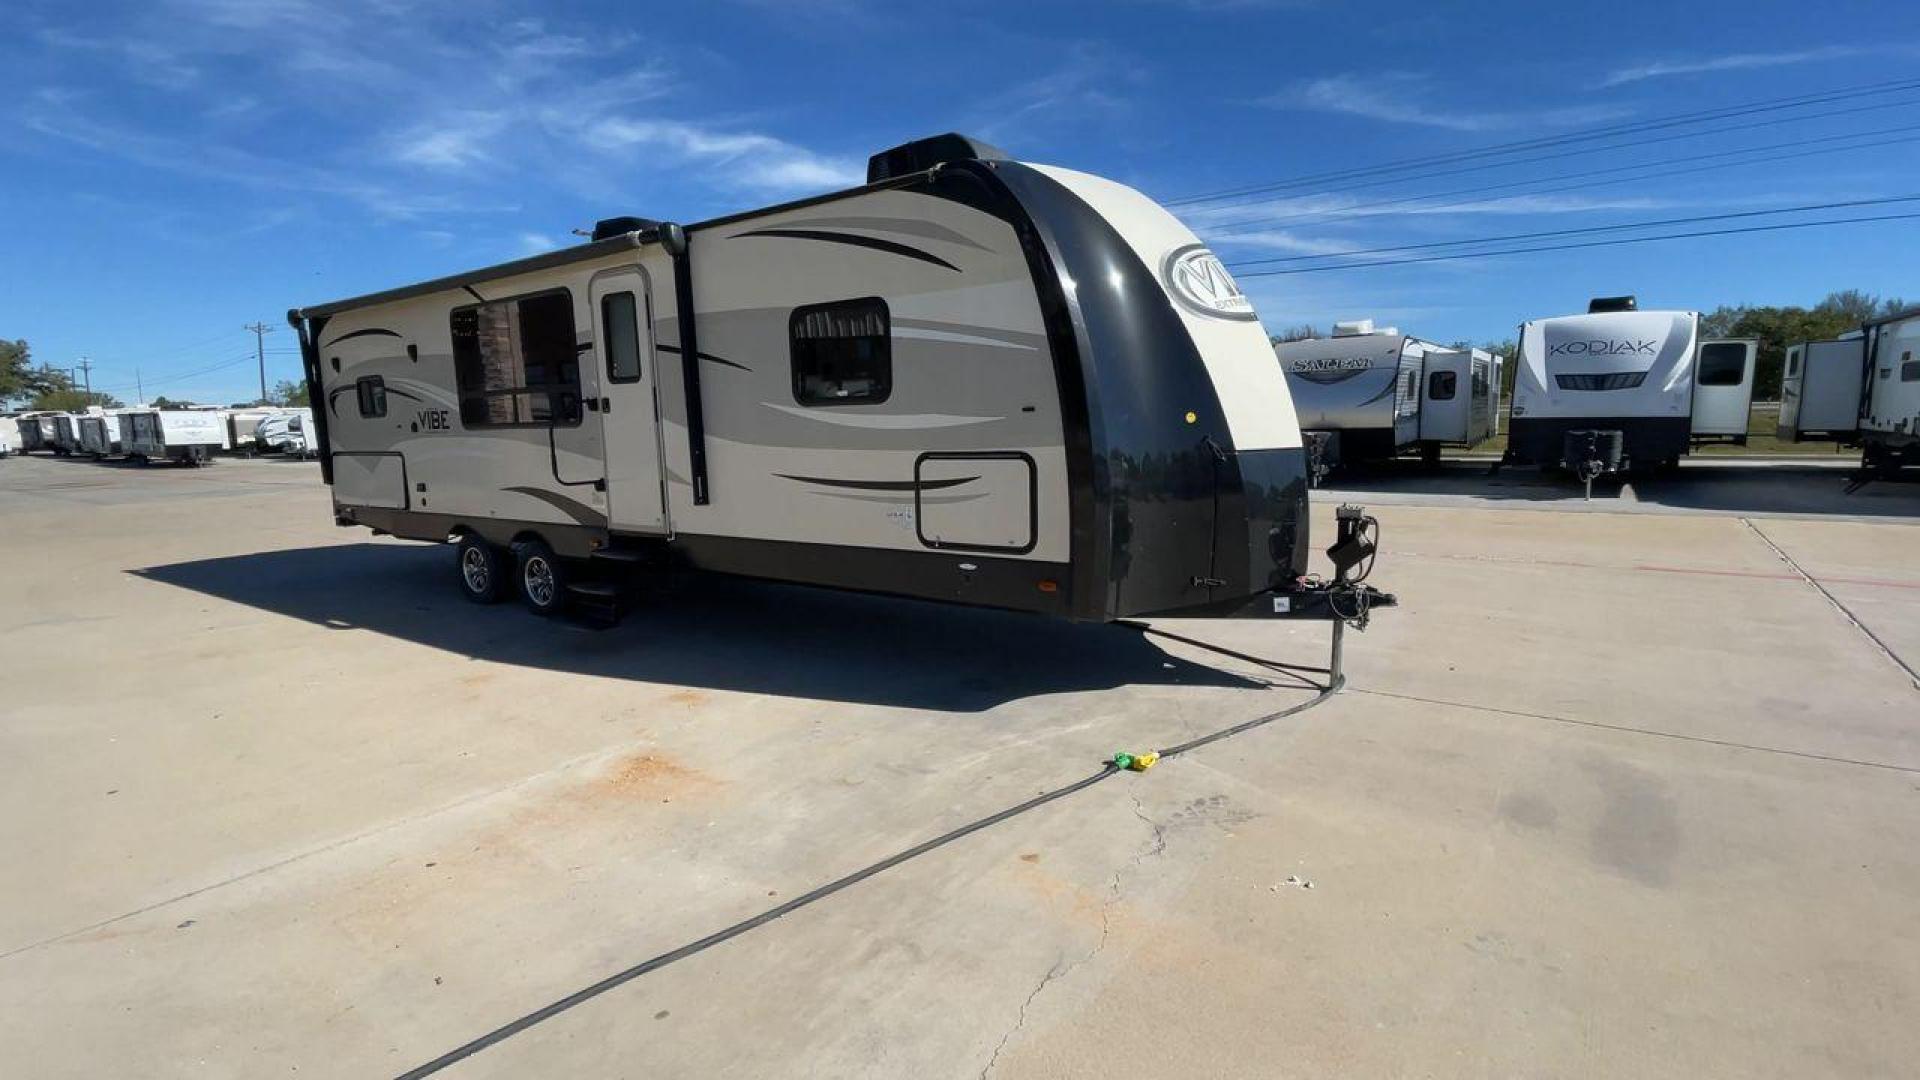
{"points": [[1820, 390], [972, 380], [1619, 388], [1367, 394], [188, 436]]}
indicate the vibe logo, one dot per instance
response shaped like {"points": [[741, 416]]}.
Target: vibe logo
{"points": [[1197, 278]]}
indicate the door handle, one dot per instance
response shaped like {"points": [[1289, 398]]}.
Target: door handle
{"points": [[606, 405]]}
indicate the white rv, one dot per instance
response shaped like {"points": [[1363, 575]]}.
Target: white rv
{"points": [[12, 431], [100, 433], [242, 426], [972, 379], [1367, 394], [1620, 388], [1890, 407], [188, 436], [1820, 389], [65, 438], [36, 432]]}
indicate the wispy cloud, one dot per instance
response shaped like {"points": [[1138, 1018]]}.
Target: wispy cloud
{"points": [[757, 160], [1087, 86], [1729, 62], [1408, 99], [533, 243]]}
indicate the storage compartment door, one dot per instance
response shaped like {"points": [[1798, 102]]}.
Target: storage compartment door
{"points": [[977, 501], [370, 480]]}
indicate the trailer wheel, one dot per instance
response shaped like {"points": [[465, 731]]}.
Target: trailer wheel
{"points": [[483, 570], [542, 577]]}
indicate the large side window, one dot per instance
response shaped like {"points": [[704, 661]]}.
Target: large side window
{"points": [[842, 353], [1441, 385], [372, 392], [1909, 367], [620, 330], [1722, 363], [516, 361]]}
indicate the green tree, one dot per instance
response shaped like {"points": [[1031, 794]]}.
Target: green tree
{"points": [[68, 399], [288, 392], [1303, 332], [165, 402], [19, 379]]}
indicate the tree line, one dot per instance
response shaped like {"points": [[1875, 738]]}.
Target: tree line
{"points": [[24, 386], [1777, 328]]}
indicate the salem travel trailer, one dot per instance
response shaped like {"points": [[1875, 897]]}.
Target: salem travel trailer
{"points": [[1359, 389], [1619, 388], [1890, 408], [36, 432], [188, 436], [972, 380], [242, 425], [1820, 390], [65, 439]]}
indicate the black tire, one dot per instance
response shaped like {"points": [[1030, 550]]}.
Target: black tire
{"points": [[481, 569], [540, 578]]}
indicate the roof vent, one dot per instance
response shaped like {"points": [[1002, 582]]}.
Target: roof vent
{"points": [[923, 154], [1612, 303], [616, 226], [1353, 328]]}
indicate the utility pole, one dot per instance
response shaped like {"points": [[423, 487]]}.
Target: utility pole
{"points": [[260, 332], [85, 367], [139, 390]]}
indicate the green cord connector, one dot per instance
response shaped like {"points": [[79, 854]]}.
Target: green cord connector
{"points": [[1135, 762]]}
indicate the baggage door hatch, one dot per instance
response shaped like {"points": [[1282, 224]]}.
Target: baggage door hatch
{"points": [[977, 501]]}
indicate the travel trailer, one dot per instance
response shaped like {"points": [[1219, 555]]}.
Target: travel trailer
{"points": [[10, 436], [100, 434], [1890, 408], [242, 425], [188, 436], [65, 437], [1367, 394], [1619, 388], [1820, 390], [280, 432], [972, 380]]}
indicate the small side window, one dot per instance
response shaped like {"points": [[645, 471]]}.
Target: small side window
{"points": [[372, 391], [842, 353], [1909, 367], [1793, 364], [1441, 385], [620, 329]]}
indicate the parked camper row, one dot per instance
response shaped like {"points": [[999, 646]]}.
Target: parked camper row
{"points": [[189, 436], [1861, 389]]}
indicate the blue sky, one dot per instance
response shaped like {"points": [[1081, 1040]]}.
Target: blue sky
{"points": [[177, 168]]}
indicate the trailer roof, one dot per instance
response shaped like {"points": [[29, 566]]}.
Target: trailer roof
{"points": [[1898, 316]]}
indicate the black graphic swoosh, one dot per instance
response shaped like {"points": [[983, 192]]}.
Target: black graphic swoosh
{"points": [[578, 511], [675, 350], [882, 485], [374, 332], [851, 240]]}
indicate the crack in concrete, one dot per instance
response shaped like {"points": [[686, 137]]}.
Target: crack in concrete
{"points": [[1913, 677], [1061, 968]]}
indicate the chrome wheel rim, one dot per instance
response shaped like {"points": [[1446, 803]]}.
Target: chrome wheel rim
{"points": [[473, 567], [539, 580]]}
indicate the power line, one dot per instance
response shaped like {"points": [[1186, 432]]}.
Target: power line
{"points": [[1576, 232], [1586, 244], [1348, 211], [1320, 190], [1584, 135]]}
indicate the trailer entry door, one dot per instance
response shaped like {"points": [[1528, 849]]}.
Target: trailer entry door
{"points": [[1723, 387], [629, 411]]}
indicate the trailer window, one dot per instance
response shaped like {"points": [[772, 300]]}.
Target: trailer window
{"points": [[842, 353], [1441, 385], [620, 330], [372, 391], [515, 361], [1793, 364], [1723, 364]]}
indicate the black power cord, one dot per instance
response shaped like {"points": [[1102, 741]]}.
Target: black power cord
{"points": [[719, 937]]}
